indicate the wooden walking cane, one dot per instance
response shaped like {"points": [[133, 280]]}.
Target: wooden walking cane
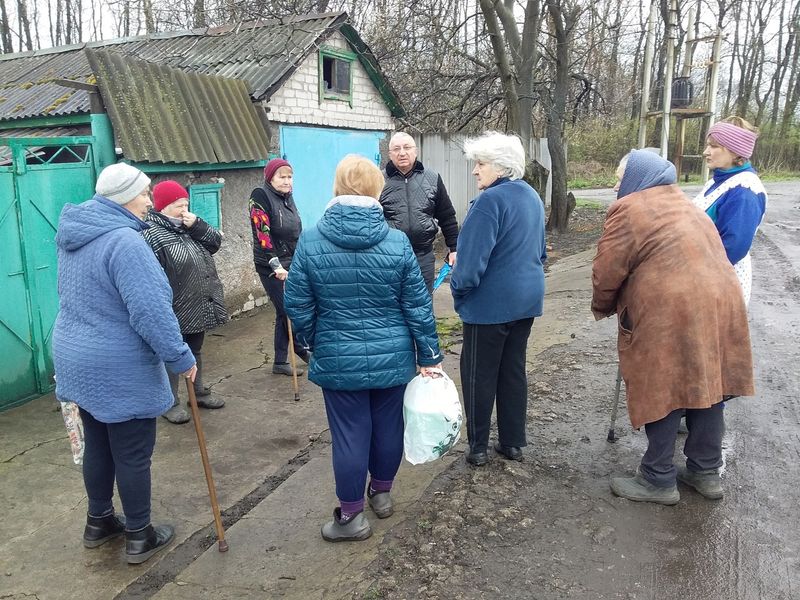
{"points": [[612, 437], [293, 359], [212, 491]]}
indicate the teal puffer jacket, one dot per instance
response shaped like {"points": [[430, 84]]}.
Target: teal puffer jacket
{"points": [[357, 299]]}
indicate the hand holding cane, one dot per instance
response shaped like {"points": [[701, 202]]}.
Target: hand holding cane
{"points": [[201, 440], [292, 359]]}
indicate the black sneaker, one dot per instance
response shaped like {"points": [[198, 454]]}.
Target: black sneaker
{"points": [[142, 544], [99, 530]]}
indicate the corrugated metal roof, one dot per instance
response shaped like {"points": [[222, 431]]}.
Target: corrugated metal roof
{"points": [[262, 53], [162, 114]]}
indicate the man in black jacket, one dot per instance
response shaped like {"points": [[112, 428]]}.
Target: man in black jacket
{"points": [[416, 202]]}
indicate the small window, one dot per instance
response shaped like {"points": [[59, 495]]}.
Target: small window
{"points": [[204, 201], [336, 75]]}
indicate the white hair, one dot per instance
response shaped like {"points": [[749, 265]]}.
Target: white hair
{"points": [[401, 135], [503, 152]]}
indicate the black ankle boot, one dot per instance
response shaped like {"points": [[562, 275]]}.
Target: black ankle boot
{"points": [[99, 530], [142, 544]]}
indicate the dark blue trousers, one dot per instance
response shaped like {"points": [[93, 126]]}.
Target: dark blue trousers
{"points": [[703, 446], [120, 451], [367, 436]]}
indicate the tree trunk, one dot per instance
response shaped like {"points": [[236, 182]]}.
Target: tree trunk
{"points": [[199, 13], [5, 29], [563, 21]]}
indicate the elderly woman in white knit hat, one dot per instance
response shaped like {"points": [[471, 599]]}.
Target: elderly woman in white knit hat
{"points": [[114, 334]]}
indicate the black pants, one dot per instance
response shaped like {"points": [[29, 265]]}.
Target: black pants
{"points": [[427, 264], [274, 288], [493, 368], [121, 451], [703, 447]]}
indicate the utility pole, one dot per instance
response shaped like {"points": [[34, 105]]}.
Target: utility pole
{"points": [[713, 87], [670, 39], [647, 72], [680, 123]]}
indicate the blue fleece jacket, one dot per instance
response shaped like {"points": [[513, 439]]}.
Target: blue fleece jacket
{"points": [[115, 328], [499, 273], [737, 213]]}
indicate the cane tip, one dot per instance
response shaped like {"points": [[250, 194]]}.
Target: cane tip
{"points": [[611, 436], [297, 397], [223, 546]]}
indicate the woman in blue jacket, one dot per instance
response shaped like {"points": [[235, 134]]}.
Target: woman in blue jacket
{"points": [[498, 289], [734, 197], [357, 300], [114, 333]]}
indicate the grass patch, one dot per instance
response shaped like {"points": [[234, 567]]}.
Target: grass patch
{"points": [[589, 203], [449, 331], [779, 175], [600, 180]]}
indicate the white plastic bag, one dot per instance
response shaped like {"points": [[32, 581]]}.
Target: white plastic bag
{"points": [[74, 425], [432, 414]]}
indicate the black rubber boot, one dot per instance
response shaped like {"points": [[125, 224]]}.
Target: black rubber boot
{"points": [[99, 530], [142, 544]]}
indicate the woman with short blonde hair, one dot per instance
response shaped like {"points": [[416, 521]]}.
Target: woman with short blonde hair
{"points": [[357, 299]]}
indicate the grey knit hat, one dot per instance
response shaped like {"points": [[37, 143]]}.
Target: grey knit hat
{"points": [[121, 183]]}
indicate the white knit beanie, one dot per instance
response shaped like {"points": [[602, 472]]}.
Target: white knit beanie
{"points": [[121, 183]]}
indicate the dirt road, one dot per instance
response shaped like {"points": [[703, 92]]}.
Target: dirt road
{"points": [[550, 527]]}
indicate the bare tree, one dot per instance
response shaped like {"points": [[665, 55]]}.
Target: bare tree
{"points": [[563, 20]]}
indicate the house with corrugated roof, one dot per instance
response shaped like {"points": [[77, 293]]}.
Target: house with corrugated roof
{"points": [[207, 108]]}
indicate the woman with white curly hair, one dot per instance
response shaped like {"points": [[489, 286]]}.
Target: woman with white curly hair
{"points": [[498, 289]]}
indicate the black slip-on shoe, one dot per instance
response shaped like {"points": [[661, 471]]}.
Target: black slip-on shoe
{"points": [[509, 452]]}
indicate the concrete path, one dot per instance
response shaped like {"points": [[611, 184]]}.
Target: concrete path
{"points": [[271, 462]]}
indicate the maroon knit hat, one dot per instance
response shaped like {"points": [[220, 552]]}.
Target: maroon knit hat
{"points": [[272, 166], [167, 192]]}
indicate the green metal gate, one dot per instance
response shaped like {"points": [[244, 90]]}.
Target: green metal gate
{"points": [[38, 176]]}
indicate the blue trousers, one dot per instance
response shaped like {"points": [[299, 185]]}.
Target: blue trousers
{"points": [[120, 451], [703, 446], [367, 436]]}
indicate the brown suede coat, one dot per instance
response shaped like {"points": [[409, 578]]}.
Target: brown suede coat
{"points": [[683, 336]]}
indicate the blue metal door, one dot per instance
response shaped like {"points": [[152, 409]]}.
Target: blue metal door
{"points": [[314, 153]]}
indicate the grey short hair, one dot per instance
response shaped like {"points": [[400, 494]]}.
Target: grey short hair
{"points": [[504, 152]]}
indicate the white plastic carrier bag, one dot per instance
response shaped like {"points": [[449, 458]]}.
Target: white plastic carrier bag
{"points": [[74, 425], [432, 414]]}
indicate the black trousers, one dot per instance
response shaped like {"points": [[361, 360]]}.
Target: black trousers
{"points": [[493, 369], [120, 451], [427, 264], [274, 288], [703, 446]]}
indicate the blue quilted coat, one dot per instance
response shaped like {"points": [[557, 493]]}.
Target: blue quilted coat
{"points": [[357, 299], [115, 328]]}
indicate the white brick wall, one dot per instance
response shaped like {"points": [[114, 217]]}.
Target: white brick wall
{"points": [[297, 101]]}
